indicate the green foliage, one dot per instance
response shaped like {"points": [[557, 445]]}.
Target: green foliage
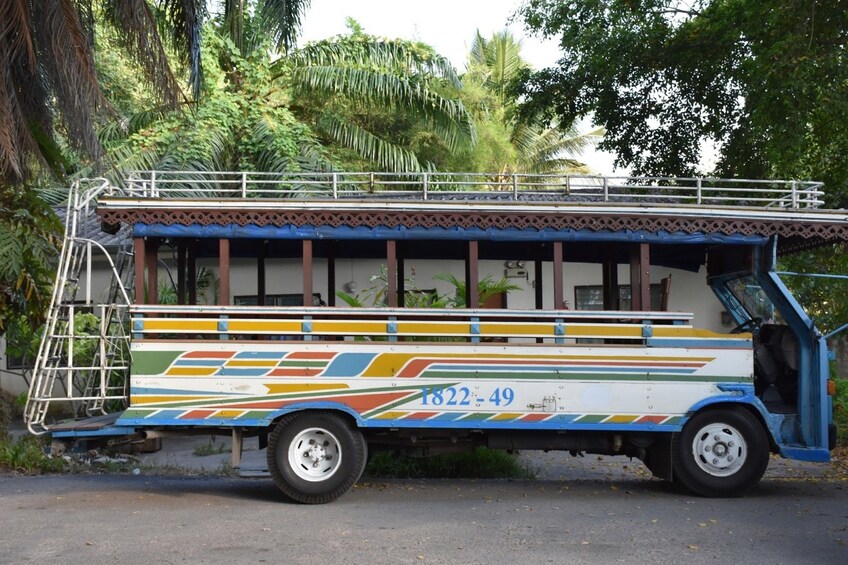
{"points": [[763, 79], [27, 455], [822, 298], [482, 463], [210, 448], [840, 410], [29, 236], [508, 143]]}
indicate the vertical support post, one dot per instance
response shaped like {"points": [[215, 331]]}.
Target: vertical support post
{"points": [[610, 280], [181, 272], [224, 271], [238, 443], [391, 274], [401, 284], [152, 258], [260, 274], [307, 273], [472, 276], [559, 298], [640, 277], [140, 259], [699, 189]]}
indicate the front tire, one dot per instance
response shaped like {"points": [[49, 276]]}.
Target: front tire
{"points": [[315, 457], [720, 453]]}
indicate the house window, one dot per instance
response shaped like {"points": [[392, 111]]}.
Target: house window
{"points": [[591, 297], [277, 300]]}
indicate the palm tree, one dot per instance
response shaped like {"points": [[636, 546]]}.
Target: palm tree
{"points": [[48, 82], [345, 102], [509, 144]]}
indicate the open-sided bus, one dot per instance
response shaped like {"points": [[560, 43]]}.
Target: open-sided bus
{"points": [[322, 383]]}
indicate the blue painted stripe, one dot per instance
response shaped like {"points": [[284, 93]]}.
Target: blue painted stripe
{"points": [[555, 369], [348, 364], [146, 390], [260, 354], [242, 372], [199, 362], [234, 231]]}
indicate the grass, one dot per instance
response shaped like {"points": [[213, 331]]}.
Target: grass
{"points": [[27, 455], [840, 411], [210, 448], [482, 463]]}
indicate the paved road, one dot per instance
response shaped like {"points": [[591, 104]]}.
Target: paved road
{"points": [[626, 519]]}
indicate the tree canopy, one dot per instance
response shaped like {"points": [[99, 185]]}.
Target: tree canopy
{"points": [[766, 81]]}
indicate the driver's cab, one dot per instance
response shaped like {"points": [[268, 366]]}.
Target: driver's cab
{"points": [[763, 308]]}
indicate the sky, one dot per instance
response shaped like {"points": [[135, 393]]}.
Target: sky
{"points": [[448, 26]]}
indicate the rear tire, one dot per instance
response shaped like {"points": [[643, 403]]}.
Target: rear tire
{"points": [[720, 453], [315, 457]]}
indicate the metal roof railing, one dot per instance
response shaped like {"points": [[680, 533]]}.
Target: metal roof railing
{"points": [[788, 194]]}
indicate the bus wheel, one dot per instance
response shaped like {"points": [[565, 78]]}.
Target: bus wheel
{"points": [[315, 457], [720, 453]]}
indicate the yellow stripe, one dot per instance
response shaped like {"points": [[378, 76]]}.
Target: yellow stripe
{"points": [[191, 371], [392, 415], [387, 364], [166, 325], [603, 331], [494, 330], [505, 416], [434, 328], [264, 326], [671, 331], [620, 419], [228, 413], [348, 328], [302, 387]]}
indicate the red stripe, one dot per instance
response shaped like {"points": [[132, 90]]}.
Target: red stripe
{"points": [[197, 415], [651, 419], [533, 417], [311, 355], [208, 354], [420, 415]]}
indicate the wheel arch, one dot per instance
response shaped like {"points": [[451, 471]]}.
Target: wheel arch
{"points": [[751, 404], [353, 417]]}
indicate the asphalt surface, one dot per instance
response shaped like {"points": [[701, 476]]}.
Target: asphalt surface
{"points": [[589, 510]]}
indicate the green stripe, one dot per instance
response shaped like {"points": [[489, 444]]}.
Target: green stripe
{"points": [[553, 376], [591, 419], [153, 362], [304, 363]]}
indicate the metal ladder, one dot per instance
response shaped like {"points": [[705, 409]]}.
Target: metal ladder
{"points": [[82, 360]]}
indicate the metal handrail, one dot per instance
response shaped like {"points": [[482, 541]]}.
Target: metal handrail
{"points": [[790, 194]]}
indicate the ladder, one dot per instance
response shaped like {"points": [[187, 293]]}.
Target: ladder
{"points": [[83, 359]]}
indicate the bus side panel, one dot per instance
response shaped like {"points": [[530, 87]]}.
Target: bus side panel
{"points": [[407, 384]]}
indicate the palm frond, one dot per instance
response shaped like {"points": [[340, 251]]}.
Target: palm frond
{"points": [[139, 36], [69, 68], [283, 19], [185, 18], [392, 56], [16, 32], [449, 117], [375, 149]]}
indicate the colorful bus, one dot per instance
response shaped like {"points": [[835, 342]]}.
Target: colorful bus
{"points": [[608, 368]]}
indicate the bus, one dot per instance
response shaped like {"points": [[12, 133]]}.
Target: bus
{"points": [[702, 393]]}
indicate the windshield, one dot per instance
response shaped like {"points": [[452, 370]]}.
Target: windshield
{"points": [[753, 299]]}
